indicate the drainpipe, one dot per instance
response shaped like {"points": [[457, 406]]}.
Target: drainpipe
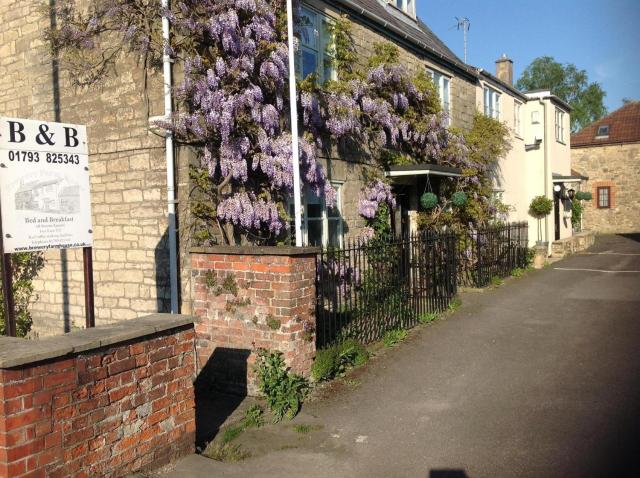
{"points": [[171, 199], [293, 106], [546, 171]]}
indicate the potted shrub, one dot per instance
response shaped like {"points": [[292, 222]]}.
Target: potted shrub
{"points": [[540, 208]]}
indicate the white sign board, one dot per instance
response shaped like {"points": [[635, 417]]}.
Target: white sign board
{"points": [[44, 185]]}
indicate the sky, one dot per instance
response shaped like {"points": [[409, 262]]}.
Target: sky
{"points": [[601, 37]]}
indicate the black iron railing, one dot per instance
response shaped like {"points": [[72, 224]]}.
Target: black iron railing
{"points": [[492, 252], [367, 288]]}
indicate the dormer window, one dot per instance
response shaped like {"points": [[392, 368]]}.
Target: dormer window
{"points": [[603, 131], [407, 6]]}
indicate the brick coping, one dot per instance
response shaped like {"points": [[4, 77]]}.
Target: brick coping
{"points": [[575, 236], [257, 250], [16, 352]]}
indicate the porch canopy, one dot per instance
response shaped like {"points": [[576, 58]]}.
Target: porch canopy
{"points": [[414, 170], [573, 178]]}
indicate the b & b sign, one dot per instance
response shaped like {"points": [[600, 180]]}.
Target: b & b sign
{"points": [[44, 185]]}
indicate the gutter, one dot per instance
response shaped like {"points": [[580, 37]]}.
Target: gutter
{"points": [[169, 157], [381, 22]]}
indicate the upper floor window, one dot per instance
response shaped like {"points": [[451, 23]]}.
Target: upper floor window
{"points": [[315, 52], [603, 131], [491, 103], [442, 84], [559, 125], [517, 118], [407, 6]]}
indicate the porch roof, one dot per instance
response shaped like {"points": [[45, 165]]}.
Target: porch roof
{"points": [[422, 170], [573, 178]]}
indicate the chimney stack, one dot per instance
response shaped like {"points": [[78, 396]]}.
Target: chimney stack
{"points": [[504, 69]]}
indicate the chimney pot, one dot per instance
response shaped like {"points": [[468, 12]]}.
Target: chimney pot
{"points": [[504, 69]]}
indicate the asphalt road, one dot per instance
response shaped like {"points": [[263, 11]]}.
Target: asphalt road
{"points": [[537, 378]]}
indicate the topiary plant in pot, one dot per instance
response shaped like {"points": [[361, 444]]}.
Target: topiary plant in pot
{"points": [[540, 208]]}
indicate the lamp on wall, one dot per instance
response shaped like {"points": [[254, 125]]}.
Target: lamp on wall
{"points": [[571, 193]]}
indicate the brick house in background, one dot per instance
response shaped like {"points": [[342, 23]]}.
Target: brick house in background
{"points": [[608, 152]]}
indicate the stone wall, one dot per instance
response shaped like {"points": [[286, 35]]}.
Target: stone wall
{"points": [[617, 167], [128, 176], [248, 298], [101, 402]]}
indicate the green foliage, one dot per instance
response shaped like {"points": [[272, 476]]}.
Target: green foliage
{"points": [[284, 391], [25, 267], [345, 57], [518, 272], [496, 281], [225, 452], [211, 280], [334, 360], [427, 317], [272, 322], [576, 213], [253, 417], [583, 196], [428, 200], [394, 337], [454, 304], [487, 142], [569, 84], [540, 207], [459, 199], [231, 433]]}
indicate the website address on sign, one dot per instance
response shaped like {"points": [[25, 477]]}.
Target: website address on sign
{"points": [[72, 245]]}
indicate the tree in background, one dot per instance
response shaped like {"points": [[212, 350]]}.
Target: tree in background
{"points": [[569, 84]]}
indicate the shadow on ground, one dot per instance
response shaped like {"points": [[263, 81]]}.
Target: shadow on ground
{"points": [[220, 388]]}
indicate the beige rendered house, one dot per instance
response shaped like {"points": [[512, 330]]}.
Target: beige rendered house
{"points": [[539, 162], [608, 152]]}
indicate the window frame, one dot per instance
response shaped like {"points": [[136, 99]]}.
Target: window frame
{"points": [[324, 43], [559, 125], [324, 218], [608, 197], [517, 118], [603, 135], [407, 7], [492, 99], [444, 94]]}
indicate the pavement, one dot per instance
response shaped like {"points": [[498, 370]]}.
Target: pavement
{"points": [[539, 377]]}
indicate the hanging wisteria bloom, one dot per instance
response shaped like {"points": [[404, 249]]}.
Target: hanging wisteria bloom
{"points": [[376, 193]]}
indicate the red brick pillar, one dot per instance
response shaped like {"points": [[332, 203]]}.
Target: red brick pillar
{"points": [[248, 298]]}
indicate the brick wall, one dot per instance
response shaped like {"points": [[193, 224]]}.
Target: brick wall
{"points": [[273, 308], [99, 413], [616, 167]]}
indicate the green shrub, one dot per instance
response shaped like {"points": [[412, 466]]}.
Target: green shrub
{"points": [[253, 417], [334, 360], [428, 200], [283, 391], [394, 337], [540, 207], [325, 364], [517, 272], [576, 213], [25, 267], [583, 196], [459, 199]]}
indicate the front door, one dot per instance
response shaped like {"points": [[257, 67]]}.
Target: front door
{"points": [[556, 214]]}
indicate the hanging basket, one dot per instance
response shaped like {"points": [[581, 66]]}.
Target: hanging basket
{"points": [[459, 199], [428, 200]]}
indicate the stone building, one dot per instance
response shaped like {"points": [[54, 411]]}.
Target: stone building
{"points": [[608, 152], [127, 158]]}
